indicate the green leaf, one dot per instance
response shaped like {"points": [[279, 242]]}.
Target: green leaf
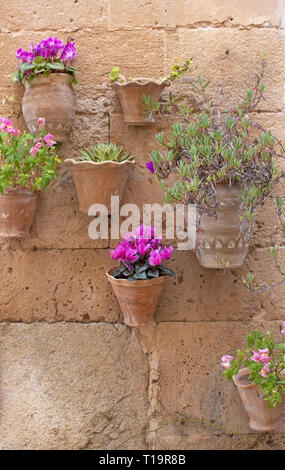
{"points": [[55, 66], [166, 271]]}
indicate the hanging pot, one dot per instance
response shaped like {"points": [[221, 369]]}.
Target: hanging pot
{"points": [[96, 183], [261, 418], [221, 235], [130, 96], [137, 299], [52, 98], [17, 210]]}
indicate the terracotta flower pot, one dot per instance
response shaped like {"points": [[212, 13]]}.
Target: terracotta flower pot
{"points": [[52, 98], [137, 299], [96, 183], [221, 235], [261, 418], [17, 210], [130, 96]]}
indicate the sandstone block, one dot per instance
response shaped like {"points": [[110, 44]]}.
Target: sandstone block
{"points": [[70, 386], [57, 285], [205, 409]]}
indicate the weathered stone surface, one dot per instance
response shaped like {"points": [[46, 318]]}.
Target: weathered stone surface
{"points": [[141, 14], [199, 294], [40, 15], [203, 410], [57, 285], [68, 386], [241, 13], [100, 51], [231, 57]]}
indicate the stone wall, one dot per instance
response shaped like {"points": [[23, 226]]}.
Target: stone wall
{"points": [[72, 375]]}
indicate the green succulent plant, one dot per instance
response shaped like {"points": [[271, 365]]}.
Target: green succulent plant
{"points": [[104, 152]]}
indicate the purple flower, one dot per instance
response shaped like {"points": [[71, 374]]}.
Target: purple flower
{"points": [[150, 167], [24, 56], [69, 52], [47, 48], [282, 331], [155, 258]]}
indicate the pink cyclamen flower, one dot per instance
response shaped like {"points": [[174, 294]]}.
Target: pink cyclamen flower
{"points": [[41, 122], [143, 247], [166, 252], [131, 255], [282, 331], [155, 258], [34, 151], [119, 252], [226, 361]]}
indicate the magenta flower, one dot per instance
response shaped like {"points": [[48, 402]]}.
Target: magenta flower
{"points": [[119, 252], [143, 247], [226, 361], [150, 167], [155, 258], [282, 331], [166, 252], [131, 255]]}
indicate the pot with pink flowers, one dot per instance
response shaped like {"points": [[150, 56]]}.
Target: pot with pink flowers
{"points": [[27, 165], [47, 75], [259, 375], [139, 280]]}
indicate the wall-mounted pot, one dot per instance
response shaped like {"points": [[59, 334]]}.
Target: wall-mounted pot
{"points": [[137, 299], [52, 98], [221, 235], [96, 183], [261, 418], [130, 96], [17, 210]]}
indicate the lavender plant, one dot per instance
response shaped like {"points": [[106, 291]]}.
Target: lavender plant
{"points": [[48, 56], [215, 145], [265, 361]]}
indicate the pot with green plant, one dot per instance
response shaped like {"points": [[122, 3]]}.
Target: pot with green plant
{"points": [[47, 75], [100, 173], [259, 374], [139, 280], [27, 165], [226, 165], [138, 95]]}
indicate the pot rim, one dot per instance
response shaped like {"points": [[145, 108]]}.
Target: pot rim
{"points": [[15, 191], [107, 163], [242, 373], [137, 283], [56, 75], [141, 81]]}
